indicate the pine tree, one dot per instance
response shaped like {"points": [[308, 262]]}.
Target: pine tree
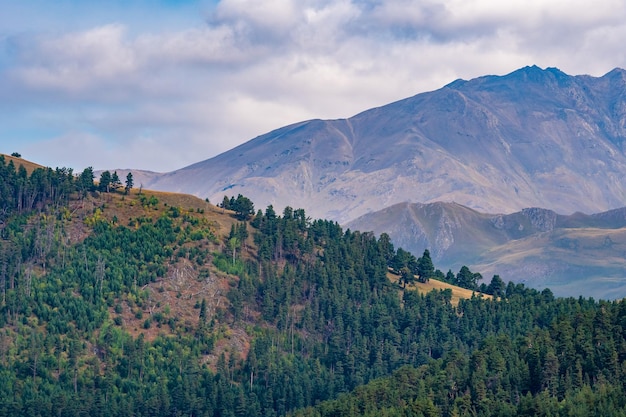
{"points": [[202, 316], [115, 181], [85, 180], [425, 267], [129, 183], [104, 184]]}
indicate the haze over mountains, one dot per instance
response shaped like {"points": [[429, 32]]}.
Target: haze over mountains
{"points": [[573, 255], [496, 143]]}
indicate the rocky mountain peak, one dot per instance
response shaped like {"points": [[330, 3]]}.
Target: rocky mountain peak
{"points": [[532, 138], [537, 75]]}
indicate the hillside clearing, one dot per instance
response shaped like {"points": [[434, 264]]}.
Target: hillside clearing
{"points": [[458, 293]]}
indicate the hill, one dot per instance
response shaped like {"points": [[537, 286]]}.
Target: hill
{"points": [[570, 254], [532, 138], [161, 304], [29, 165]]}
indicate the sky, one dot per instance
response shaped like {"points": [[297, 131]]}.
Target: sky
{"points": [[162, 84]]}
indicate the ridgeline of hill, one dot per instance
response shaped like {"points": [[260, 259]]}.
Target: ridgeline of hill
{"points": [[17, 161], [158, 304]]}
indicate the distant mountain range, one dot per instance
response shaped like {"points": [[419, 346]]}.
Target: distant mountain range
{"points": [[571, 254], [497, 144]]}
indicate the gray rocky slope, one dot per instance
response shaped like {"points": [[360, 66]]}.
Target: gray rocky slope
{"points": [[496, 143]]}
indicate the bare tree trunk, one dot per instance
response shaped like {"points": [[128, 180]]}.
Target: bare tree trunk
{"points": [[29, 279], [100, 269], [3, 281]]}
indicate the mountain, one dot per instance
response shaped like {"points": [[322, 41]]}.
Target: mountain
{"points": [[535, 137], [571, 254]]}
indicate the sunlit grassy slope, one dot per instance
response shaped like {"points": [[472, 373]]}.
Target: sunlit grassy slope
{"points": [[458, 293], [30, 166]]}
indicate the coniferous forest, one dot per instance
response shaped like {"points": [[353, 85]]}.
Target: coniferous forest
{"points": [[119, 302]]}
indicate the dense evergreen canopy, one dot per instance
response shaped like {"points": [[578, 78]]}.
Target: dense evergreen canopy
{"points": [[327, 333]]}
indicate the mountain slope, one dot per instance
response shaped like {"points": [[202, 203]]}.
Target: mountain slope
{"points": [[571, 254], [496, 143]]}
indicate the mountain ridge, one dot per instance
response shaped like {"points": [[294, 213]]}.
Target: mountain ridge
{"points": [[495, 143], [570, 254]]}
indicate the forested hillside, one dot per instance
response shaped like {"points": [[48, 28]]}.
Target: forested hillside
{"points": [[121, 302]]}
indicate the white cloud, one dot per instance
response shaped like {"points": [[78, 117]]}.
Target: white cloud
{"points": [[195, 46], [246, 67], [75, 60], [270, 15]]}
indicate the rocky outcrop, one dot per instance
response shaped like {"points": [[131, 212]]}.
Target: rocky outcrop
{"points": [[541, 220]]}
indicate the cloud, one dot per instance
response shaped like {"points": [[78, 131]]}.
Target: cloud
{"points": [[309, 37], [73, 61], [267, 17], [239, 68], [196, 46], [81, 61]]}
